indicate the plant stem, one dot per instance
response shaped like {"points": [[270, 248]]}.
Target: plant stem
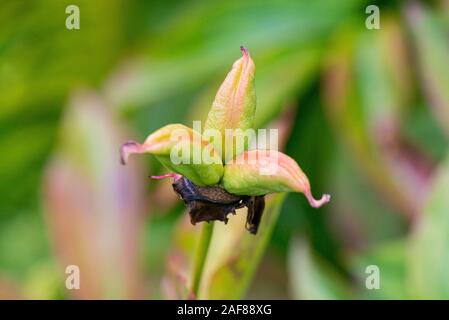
{"points": [[201, 255]]}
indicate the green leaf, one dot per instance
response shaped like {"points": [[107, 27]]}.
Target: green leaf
{"points": [[391, 259], [365, 100], [94, 205], [428, 255], [195, 44], [432, 50], [312, 278], [234, 253]]}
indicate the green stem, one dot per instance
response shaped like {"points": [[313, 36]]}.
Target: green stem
{"points": [[201, 255]]}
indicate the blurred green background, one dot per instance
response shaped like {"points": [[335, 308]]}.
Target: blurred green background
{"points": [[364, 112]]}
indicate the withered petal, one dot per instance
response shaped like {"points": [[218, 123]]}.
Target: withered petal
{"points": [[214, 203], [256, 206]]}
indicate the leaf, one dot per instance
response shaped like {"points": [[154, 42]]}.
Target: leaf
{"points": [[234, 254], [428, 255], [205, 39], [9, 290], [432, 50], [311, 278], [180, 259], [93, 205], [365, 103], [44, 281], [40, 62], [360, 217], [391, 259]]}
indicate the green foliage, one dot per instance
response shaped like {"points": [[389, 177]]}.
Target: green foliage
{"points": [[312, 278], [234, 253], [365, 113], [428, 258]]}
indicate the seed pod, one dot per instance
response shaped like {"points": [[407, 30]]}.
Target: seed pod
{"points": [[181, 150], [259, 172], [234, 105]]}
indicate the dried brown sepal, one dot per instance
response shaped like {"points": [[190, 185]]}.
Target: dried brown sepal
{"points": [[256, 207], [215, 203]]}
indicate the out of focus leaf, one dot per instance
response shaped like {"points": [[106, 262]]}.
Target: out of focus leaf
{"points": [[312, 278], [368, 120], [234, 253], [391, 260], [176, 281], [315, 154], [293, 69], [270, 281], [22, 161], [94, 205], [421, 127], [8, 289], [428, 255], [359, 216], [206, 47], [40, 61], [60, 57], [44, 281], [432, 50], [19, 254], [281, 80], [382, 71]]}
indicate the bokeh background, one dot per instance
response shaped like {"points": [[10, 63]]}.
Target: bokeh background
{"points": [[364, 112]]}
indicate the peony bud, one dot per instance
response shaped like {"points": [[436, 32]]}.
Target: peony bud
{"points": [[234, 105], [259, 172], [181, 150]]}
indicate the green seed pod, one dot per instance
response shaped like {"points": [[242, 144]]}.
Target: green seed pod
{"points": [[181, 150], [234, 106], [259, 172]]}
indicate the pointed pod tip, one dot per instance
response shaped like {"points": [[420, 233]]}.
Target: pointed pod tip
{"points": [[173, 175], [325, 198], [128, 148], [244, 50]]}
